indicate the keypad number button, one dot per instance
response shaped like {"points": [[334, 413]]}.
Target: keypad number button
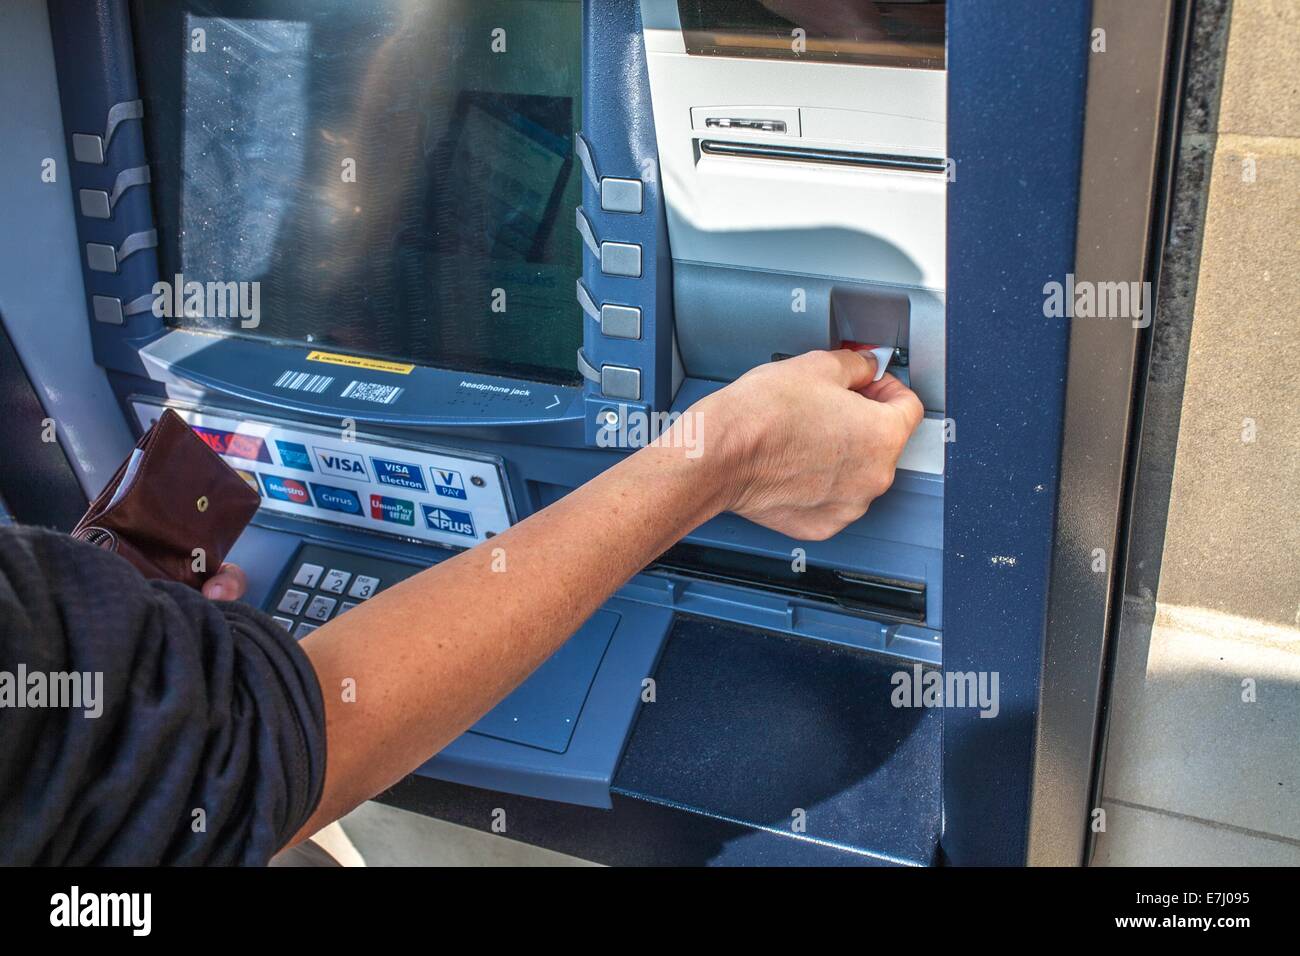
{"points": [[284, 622], [321, 608], [308, 575], [364, 587], [335, 581], [304, 629], [292, 602]]}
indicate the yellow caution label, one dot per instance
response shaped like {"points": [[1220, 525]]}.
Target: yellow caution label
{"points": [[356, 361]]}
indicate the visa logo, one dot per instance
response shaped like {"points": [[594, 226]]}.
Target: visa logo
{"points": [[448, 483], [286, 489], [445, 519], [341, 464], [398, 473], [396, 510], [293, 455], [336, 499]]}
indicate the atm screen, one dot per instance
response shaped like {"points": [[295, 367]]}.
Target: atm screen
{"points": [[898, 33], [397, 178]]}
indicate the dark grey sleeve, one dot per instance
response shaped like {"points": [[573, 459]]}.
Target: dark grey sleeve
{"points": [[172, 729]]}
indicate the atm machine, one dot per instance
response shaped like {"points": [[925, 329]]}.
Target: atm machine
{"points": [[416, 268]]}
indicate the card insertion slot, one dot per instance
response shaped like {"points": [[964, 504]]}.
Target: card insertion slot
{"points": [[836, 157]]}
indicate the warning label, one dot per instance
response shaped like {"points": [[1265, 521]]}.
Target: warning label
{"points": [[356, 361]]}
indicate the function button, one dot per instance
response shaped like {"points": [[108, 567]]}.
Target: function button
{"points": [[618, 381], [321, 608], [292, 602], [620, 259], [88, 148], [620, 195], [101, 257], [620, 321], [308, 575], [335, 581], [304, 629], [364, 587], [284, 622], [347, 606]]}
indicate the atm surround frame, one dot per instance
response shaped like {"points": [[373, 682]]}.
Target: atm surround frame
{"points": [[989, 801]]}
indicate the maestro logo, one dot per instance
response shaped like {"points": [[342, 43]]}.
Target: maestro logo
{"points": [[439, 518], [286, 489], [341, 464]]}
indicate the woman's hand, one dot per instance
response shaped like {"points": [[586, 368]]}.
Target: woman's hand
{"points": [[228, 584], [809, 442]]}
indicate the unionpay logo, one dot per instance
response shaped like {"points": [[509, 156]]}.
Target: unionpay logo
{"points": [[341, 464], [445, 519], [449, 484], [398, 473], [396, 510], [293, 455]]}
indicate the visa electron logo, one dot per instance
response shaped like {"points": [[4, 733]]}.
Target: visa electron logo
{"points": [[336, 499], [341, 464], [286, 489], [448, 483], [445, 519], [398, 473], [293, 455], [397, 510]]}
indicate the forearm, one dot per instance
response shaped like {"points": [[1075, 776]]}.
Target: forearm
{"points": [[402, 676]]}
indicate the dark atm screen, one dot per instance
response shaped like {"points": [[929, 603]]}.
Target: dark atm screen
{"points": [[899, 33], [397, 177]]}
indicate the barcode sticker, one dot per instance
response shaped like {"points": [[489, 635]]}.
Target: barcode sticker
{"points": [[304, 382], [372, 392]]}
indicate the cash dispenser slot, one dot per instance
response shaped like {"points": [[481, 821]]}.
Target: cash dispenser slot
{"points": [[837, 157], [875, 596]]}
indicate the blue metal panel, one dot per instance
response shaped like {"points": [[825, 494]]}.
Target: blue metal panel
{"points": [[1016, 74], [96, 67], [618, 123]]}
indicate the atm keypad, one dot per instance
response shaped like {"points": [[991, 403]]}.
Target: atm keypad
{"points": [[324, 582]]}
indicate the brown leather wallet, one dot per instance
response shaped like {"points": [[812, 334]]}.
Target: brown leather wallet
{"points": [[173, 509]]}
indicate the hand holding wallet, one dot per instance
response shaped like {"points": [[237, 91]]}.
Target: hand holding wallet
{"points": [[173, 509]]}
